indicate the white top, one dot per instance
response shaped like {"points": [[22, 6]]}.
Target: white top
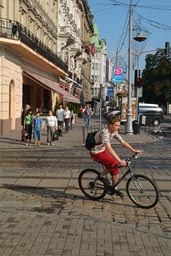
{"points": [[102, 137], [51, 121], [60, 114], [67, 114]]}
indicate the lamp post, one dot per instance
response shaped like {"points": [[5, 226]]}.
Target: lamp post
{"points": [[138, 38], [129, 128]]}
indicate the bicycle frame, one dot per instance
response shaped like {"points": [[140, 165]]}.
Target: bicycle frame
{"points": [[129, 171]]}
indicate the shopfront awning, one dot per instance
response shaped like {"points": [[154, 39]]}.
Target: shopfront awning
{"points": [[54, 86]]}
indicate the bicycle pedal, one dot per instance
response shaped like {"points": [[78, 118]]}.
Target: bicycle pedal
{"points": [[118, 193]]}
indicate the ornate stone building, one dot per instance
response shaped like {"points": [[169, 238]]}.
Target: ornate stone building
{"points": [[98, 63], [75, 28], [42, 51]]}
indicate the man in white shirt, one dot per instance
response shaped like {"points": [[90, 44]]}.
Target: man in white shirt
{"points": [[67, 117], [60, 118]]}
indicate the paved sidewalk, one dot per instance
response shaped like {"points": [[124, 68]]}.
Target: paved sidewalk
{"points": [[44, 213], [74, 138]]}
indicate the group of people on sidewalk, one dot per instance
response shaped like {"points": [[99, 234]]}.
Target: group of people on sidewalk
{"points": [[54, 124]]}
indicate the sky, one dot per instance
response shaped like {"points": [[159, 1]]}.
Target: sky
{"points": [[151, 17]]}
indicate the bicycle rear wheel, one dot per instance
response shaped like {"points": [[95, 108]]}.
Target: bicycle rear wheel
{"points": [[142, 191], [90, 184]]}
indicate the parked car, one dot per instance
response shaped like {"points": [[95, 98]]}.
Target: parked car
{"points": [[113, 113], [150, 114]]}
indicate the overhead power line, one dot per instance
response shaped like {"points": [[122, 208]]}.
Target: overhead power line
{"points": [[156, 24], [155, 7]]}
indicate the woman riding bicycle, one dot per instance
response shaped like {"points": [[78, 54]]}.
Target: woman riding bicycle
{"points": [[105, 154]]}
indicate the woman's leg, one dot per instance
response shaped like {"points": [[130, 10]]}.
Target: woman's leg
{"points": [[52, 132], [39, 137], [30, 133], [27, 131], [35, 136], [67, 124], [48, 134]]}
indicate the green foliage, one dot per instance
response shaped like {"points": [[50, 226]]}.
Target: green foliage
{"points": [[157, 79], [113, 103], [74, 107], [56, 105], [71, 105]]}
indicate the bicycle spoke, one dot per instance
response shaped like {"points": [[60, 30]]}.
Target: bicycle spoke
{"points": [[142, 191], [90, 185]]}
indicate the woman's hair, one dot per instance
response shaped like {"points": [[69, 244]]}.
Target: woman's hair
{"points": [[114, 119], [29, 110]]}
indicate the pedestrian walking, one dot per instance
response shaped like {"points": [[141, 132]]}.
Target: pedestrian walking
{"points": [[71, 117], [37, 129], [81, 110], [28, 122], [87, 115], [67, 119], [60, 118], [52, 125], [23, 114]]}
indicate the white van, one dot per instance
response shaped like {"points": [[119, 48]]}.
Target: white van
{"points": [[148, 105], [152, 112]]}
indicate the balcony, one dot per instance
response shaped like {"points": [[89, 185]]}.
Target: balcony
{"points": [[65, 31], [15, 31]]}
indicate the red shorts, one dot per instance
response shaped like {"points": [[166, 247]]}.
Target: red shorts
{"points": [[107, 160]]}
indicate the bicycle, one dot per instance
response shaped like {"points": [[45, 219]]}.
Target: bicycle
{"points": [[141, 190]]}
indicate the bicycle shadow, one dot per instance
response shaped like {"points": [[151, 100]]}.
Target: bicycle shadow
{"points": [[60, 193], [39, 191]]}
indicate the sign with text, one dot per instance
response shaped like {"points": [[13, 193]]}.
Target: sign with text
{"points": [[117, 74], [110, 91]]}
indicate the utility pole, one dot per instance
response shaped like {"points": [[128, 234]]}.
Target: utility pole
{"points": [[100, 120], [129, 128]]}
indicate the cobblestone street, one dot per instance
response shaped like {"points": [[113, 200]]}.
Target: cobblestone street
{"points": [[44, 213]]}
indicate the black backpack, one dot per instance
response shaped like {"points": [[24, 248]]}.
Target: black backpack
{"points": [[90, 140]]}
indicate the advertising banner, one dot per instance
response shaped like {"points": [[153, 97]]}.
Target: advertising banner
{"points": [[117, 74], [110, 91], [124, 108]]}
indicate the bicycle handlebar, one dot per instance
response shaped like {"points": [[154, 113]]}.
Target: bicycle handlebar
{"points": [[135, 156]]}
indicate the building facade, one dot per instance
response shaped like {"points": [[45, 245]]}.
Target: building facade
{"points": [[41, 62], [98, 63]]}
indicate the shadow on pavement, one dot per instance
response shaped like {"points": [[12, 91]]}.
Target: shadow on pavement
{"points": [[9, 140], [54, 194]]}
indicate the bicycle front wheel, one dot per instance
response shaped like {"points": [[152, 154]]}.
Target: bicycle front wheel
{"points": [[142, 191], [90, 184]]}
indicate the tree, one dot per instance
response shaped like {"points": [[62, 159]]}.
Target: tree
{"points": [[157, 79]]}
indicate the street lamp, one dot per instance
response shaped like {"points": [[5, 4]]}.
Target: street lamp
{"points": [[138, 38], [129, 129]]}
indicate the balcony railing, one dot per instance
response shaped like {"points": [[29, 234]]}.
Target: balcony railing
{"points": [[15, 31]]}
